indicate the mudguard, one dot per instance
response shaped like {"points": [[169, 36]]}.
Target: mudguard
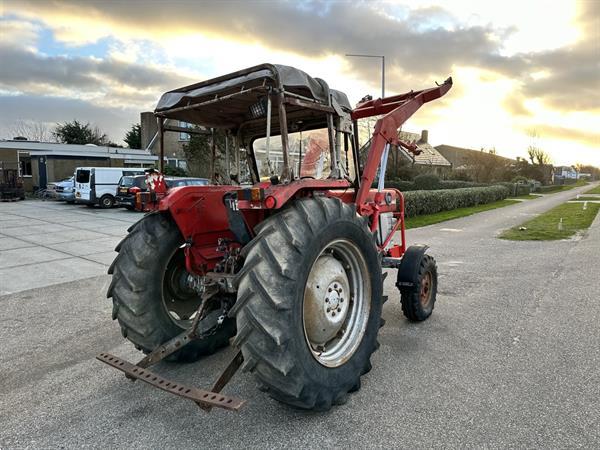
{"points": [[409, 267]]}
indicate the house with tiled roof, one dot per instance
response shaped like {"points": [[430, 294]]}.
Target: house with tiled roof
{"points": [[428, 155]]}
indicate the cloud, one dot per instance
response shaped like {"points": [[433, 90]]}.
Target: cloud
{"points": [[314, 29], [51, 110], [22, 68], [586, 137]]}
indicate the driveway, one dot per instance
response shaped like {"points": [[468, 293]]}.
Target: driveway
{"points": [[509, 358]]}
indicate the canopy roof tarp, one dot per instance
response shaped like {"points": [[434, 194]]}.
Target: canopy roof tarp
{"points": [[224, 102]]}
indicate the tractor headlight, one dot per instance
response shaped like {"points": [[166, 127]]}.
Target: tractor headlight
{"points": [[259, 109]]}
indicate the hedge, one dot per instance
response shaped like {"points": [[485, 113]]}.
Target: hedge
{"points": [[516, 189], [418, 203], [406, 186]]}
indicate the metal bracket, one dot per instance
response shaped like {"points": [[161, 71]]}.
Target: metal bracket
{"points": [[204, 399]]}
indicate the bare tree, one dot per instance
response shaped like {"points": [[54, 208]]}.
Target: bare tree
{"points": [[33, 131], [537, 156]]}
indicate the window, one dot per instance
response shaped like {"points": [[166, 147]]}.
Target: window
{"points": [[312, 146], [25, 165], [184, 136], [83, 176]]}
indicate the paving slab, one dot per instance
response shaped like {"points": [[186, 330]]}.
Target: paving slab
{"points": [[17, 279], [19, 257], [7, 243]]}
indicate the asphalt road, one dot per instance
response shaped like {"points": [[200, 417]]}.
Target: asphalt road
{"points": [[510, 357]]}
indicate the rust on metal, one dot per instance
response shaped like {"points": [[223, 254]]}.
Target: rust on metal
{"points": [[226, 375], [425, 294], [169, 347], [201, 397]]}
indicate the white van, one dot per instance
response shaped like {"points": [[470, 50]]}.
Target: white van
{"points": [[98, 185]]}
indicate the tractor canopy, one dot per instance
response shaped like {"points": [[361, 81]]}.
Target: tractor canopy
{"points": [[239, 101]]}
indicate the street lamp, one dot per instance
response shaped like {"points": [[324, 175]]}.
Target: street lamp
{"points": [[382, 68]]}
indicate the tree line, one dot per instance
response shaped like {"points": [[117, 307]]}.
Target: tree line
{"points": [[74, 132]]}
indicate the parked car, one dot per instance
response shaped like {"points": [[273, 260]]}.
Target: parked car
{"points": [[64, 190], [185, 181], [129, 186], [98, 185]]}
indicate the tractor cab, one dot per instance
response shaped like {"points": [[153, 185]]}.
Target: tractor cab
{"points": [[280, 124]]}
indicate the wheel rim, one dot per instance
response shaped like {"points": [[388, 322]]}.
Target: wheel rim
{"points": [[107, 202], [181, 291], [337, 302], [426, 287]]}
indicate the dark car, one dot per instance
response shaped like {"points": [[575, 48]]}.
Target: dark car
{"points": [[128, 187], [182, 181]]}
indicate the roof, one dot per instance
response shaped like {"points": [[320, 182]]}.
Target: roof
{"points": [[429, 156], [459, 156], [73, 150], [225, 101]]}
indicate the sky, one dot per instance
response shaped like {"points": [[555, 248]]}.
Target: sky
{"points": [[525, 72]]}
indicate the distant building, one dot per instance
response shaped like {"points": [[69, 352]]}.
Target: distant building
{"points": [[429, 156], [173, 141], [42, 162], [459, 156], [565, 173]]}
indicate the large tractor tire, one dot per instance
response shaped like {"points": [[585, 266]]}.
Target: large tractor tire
{"points": [[152, 299], [309, 303]]}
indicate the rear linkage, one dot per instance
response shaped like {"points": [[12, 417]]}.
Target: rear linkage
{"points": [[198, 330]]}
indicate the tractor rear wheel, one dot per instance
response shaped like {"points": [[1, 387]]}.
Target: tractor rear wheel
{"points": [[309, 303], [153, 295]]}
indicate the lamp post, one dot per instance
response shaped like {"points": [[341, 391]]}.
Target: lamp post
{"points": [[382, 68]]}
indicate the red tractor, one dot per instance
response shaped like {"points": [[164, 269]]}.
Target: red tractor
{"points": [[285, 259]]}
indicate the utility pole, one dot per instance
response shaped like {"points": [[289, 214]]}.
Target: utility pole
{"points": [[382, 68]]}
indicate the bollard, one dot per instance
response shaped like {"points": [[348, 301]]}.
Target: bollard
{"points": [[560, 224]]}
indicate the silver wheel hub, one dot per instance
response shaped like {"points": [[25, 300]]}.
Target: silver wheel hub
{"points": [[337, 300], [324, 305]]}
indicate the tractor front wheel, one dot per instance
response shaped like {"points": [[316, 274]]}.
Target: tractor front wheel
{"points": [[309, 303], [418, 301], [154, 297]]}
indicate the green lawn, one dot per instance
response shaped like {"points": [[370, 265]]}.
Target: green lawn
{"points": [[583, 198], [430, 219], [526, 196], [554, 189], [596, 190], [546, 226]]}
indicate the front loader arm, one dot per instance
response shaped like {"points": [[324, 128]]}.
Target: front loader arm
{"points": [[397, 109]]}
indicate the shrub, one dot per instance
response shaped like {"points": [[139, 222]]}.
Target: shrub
{"points": [[427, 182], [457, 184], [401, 185], [429, 202]]}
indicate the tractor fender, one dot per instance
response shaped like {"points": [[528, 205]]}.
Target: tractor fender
{"points": [[409, 267]]}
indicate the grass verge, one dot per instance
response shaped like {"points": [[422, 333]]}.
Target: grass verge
{"points": [[596, 190], [525, 197], [430, 219], [545, 227], [583, 198], [555, 189]]}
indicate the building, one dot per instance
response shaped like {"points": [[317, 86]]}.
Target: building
{"points": [[565, 173], [429, 156], [42, 162], [459, 157], [173, 141]]}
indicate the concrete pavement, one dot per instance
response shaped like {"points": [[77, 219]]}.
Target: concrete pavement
{"points": [[509, 358]]}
